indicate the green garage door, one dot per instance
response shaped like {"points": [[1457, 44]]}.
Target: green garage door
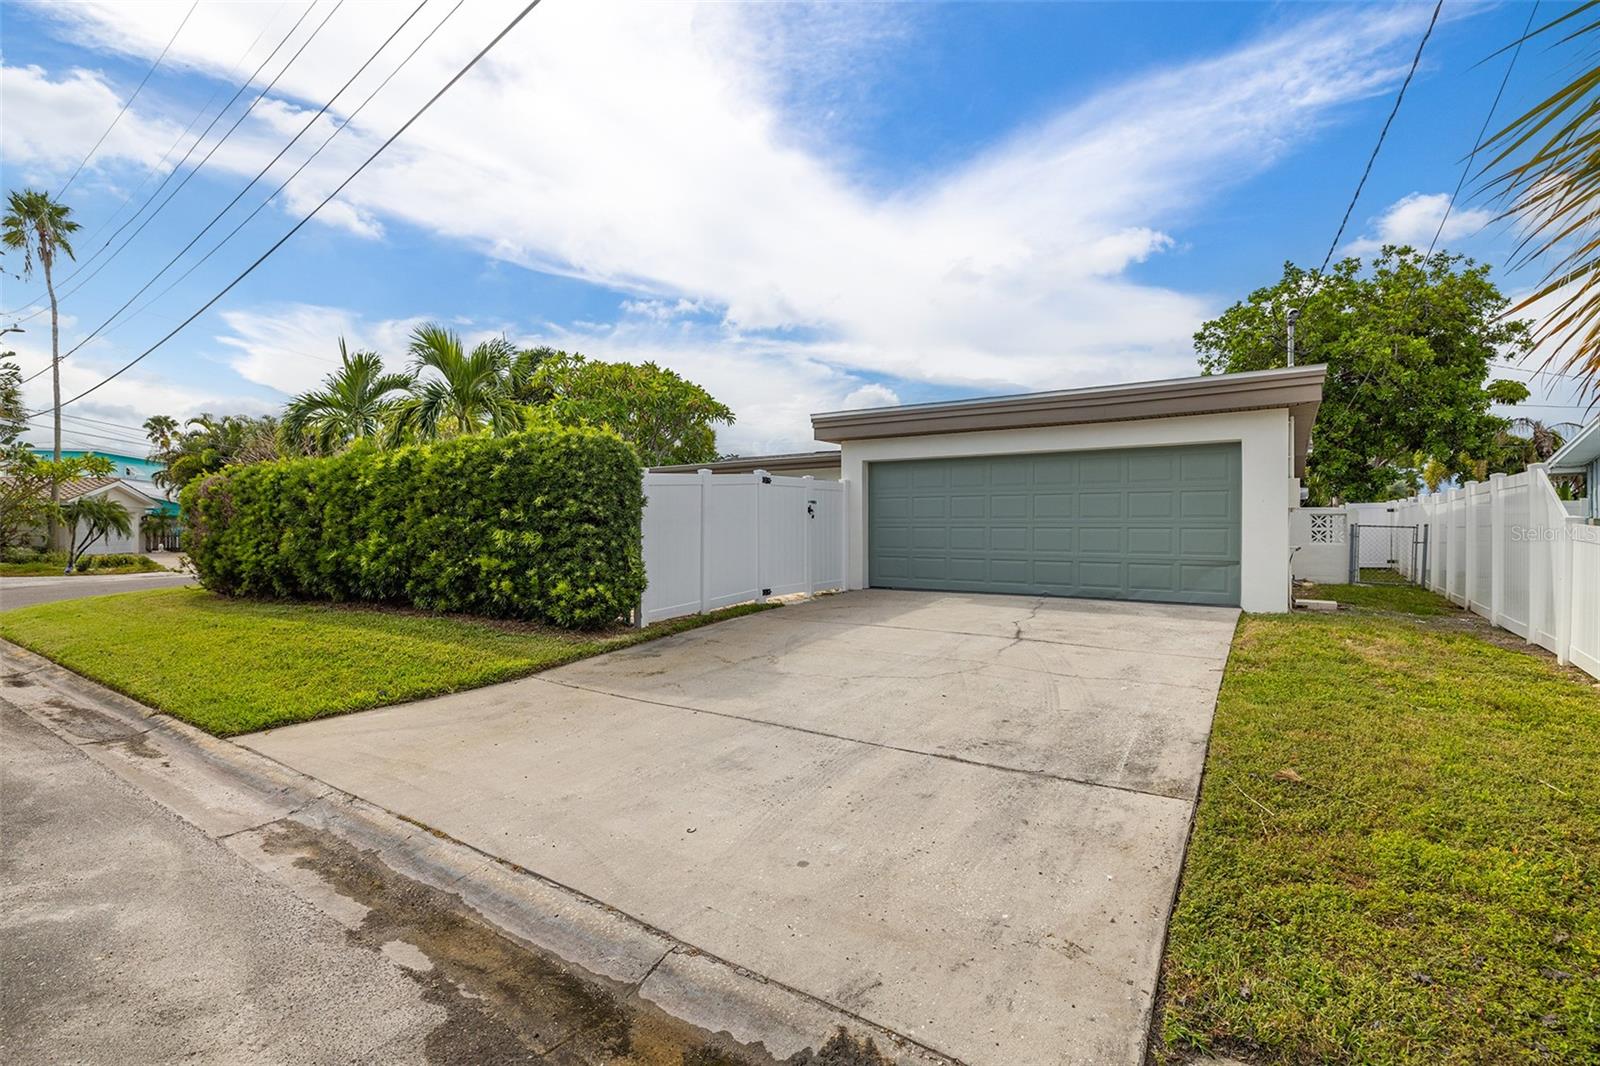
{"points": [[1159, 524]]}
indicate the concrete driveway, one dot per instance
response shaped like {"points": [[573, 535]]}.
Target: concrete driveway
{"points": [[959, 817]]}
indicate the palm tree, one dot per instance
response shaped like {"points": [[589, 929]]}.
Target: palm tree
{"points": [[353, 403], [527, 385], [98, 516], [1550, 179], [162, 430], [38, 226], [457, 391]]}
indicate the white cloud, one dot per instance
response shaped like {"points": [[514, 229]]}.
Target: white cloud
{"points": [[110, 419], [1414, 219], [773, 386], [657, 148], [664, 310], [50, 123], [290, 348], [873, 395]]}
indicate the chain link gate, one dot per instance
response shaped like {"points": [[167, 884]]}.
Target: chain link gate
{"points": [[1388, 555]]}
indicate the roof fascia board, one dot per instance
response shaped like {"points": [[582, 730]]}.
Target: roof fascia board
{"points": [[1297, 388], [1580, 451]]}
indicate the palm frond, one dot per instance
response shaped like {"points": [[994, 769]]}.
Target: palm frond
{"points": [[1548, 163]]}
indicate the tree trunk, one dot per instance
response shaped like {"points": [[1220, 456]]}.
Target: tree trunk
{"points": [[55, 385]]}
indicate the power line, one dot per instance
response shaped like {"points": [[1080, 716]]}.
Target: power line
{"points": [[160, 166], [1466, 169], [522, 14], [349, 119], [1416, 60], [1494, 105], [103, 422], [209, 153], [162, 162], [251, 183], [90, 154], [198, 141], [98, 422], [87, 434]]}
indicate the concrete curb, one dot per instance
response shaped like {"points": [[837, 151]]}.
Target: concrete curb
{"points": [[236, 796]]}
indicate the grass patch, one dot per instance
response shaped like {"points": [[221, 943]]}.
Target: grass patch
{"points": [[1396, 856], [234, 666], [1400, 599], [119, 564]]}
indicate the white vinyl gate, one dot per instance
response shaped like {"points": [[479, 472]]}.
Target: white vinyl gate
{"points": [[712, 540]]}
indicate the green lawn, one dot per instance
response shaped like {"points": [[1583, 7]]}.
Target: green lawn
{"points": [[136, 564], [233, 666], [1396, 857]]}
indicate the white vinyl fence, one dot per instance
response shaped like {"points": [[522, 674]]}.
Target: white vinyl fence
{"points": [[712, 540], [1508, 550]]}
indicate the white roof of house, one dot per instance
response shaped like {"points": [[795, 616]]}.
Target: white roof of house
{"points": [[1580, 451]]}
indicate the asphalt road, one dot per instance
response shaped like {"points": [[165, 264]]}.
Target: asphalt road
{"points": [[27, 591], [127, 936]]}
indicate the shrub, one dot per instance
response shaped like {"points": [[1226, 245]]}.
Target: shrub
{"points": [[111, 561], [31, 555], [542, 525]]}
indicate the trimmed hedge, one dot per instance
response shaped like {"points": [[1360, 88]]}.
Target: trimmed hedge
{"points": [[542, 525]]}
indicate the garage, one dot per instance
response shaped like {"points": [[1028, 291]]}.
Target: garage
{"points": [[1152, 524], [1175, 491]]}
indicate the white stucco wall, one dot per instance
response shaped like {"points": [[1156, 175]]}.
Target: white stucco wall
{"points": [[1266, 468], [1320, 555], [114, 544]]}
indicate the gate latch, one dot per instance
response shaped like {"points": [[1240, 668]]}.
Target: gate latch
{"points": [[811, 508]]}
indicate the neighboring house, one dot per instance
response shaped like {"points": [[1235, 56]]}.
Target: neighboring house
{"points": [[1581, 455], [140, 473], [128, 494], [1173, 491]]}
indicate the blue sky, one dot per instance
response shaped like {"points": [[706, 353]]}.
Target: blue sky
{"points": [[803, 207]]}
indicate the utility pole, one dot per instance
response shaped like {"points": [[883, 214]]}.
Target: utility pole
{"points": [[1294, 313]]}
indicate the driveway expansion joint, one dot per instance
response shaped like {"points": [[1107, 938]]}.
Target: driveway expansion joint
{"points": [[1016, 639], [1044, 775]]}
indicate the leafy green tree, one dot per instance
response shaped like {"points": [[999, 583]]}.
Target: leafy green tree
{"points": [[353, 404], [668, 419], [90, 519], [38, 227], [1518, 444], [26, 481], [1409, 345], [1549, 174], [13, 414], [455, 391], [526, 384], [207, 443]]}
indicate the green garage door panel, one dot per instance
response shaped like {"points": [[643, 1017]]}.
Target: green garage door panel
{"points": [[1158, 524]]}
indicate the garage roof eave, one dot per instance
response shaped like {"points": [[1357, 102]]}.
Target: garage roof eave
{"points": [[1296, 388], [1576, 454], [772, 464]]}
